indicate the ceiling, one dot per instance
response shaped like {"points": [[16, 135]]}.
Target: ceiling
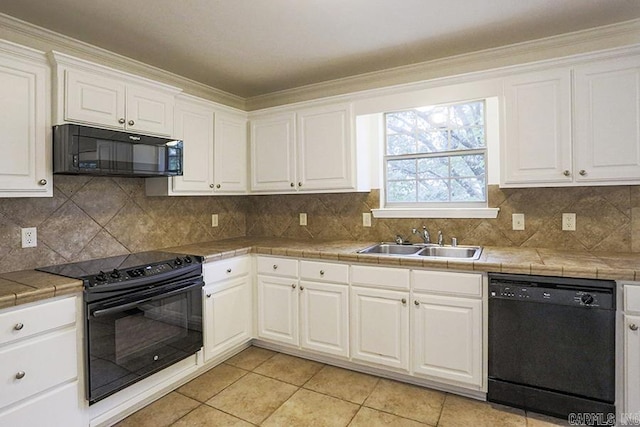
{"points": [[255, 47]]}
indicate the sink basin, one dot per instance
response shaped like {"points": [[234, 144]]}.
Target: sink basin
{"points": [[465, 252], [391, 249]]}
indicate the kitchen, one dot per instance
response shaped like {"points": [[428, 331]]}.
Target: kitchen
{"points": [[84, 218]]}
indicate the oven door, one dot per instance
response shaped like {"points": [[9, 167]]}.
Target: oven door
{"points": [[132, 336]]}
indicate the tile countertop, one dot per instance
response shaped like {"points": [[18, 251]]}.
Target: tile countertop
{"points": [[21, 287]]}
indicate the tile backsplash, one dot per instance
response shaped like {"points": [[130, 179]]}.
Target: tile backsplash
{"points": [[93, 217]]}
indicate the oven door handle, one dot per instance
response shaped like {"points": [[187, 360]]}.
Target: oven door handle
{"points": [[122, 307]]}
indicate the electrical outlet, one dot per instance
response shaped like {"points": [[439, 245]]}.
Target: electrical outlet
{"points": [[366, 219], [29, 237], [517, 221], [303, 218], [568, 222], [214, 220]]}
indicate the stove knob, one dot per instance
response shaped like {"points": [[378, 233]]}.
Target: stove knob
{"points": [[188, 259], [586, 299], [178, 261], [115, 274], [101, 277]]}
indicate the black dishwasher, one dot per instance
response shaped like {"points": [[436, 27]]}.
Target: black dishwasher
{"points": [[552, 344]]}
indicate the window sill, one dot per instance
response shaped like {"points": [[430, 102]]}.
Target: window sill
{"points": [[436, 213]]}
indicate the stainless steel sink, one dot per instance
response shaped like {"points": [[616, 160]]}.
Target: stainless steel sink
{"points": [[424, 250], [391, 249], [465, 252]]}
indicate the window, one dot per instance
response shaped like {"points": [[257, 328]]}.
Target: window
{"points": [[436, 156]]}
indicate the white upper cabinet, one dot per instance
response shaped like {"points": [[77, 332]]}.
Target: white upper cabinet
{"points": [[537, 123], [586, 132], [308, 149], [95, 95], [273, 151], [214, 153], [607, 120], [25, 163]]}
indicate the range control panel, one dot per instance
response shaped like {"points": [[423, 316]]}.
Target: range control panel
{"points": [[555, 295]]}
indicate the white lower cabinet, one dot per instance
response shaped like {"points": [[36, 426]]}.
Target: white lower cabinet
{"points": [[632, 364], [228, 305], [380, 327], [278, 309], [55, 408], [447, 338]]}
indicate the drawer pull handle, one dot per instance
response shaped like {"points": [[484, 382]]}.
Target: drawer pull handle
{"points": [[293, 286], [416, 302], [208, 295], [131, 123], [18, 326], [582, 172], [275, 266], [566, 173], [121, 120], [228, 270], [302, 288], [322, 272], [404, 301], [20, 375], [633, 327]]}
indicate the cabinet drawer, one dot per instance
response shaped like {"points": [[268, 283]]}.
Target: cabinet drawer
{"points": [[24, 322], [631, 298], [58, 407], [448, 283], [324, 271], [46, 361], [286, 267], [380, 277], [226, 269]]}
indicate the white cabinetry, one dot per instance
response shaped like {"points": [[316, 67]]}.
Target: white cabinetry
{"points": [[309, 149], [447, 327], [25, 163], [214, 156], [95, 95], [631, 325], [585, 132], [380, 317], [312, 313], [38, 359], [228, 305]]}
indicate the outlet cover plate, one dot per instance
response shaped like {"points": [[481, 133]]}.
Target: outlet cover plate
{"points": [[214, 220], [303, 218], [366, 219], [568, 222], [517, 221], [29, 237]]}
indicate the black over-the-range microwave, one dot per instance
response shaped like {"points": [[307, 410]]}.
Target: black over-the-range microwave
{"points": [[83, 150]]}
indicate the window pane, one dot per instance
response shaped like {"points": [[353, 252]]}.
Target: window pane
{"points": [[469, 114], [398, 144], [433, 190], [468, 189], [431, 118], [401, 169], [433, 142], [434, 167], [401, 122], [401, 191], [467, 138], [467, 166]]}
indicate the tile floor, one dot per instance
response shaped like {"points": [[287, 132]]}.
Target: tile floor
{"points": [[266, 388]]}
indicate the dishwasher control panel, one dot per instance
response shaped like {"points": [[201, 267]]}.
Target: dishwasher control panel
{"points": [[587, 297]]}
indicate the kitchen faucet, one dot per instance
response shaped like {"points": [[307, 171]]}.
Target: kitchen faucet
{"points": [[440, 238], [424, 234]]}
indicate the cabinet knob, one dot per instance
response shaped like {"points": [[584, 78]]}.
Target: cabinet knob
{"points": [[211, 185], [218, 186], [633, 327], [292, 184], [228, 270], [18, 326], [566, 173], [299, 184], [302, 288], [121, 120], [208, 295], [416, 302], [322, 272], [404, 300], [20, 375], [42, 182], [131, 123], [582, 172], [275, 266], [293, 286]]}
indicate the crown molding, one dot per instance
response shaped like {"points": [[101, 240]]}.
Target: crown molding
{"points": [[575, 43], [24, 33]]}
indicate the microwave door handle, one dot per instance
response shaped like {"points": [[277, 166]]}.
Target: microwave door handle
{"points": [[122, 307]]}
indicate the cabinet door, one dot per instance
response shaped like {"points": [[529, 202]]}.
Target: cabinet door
{"points": [[194, 125], [149, 111], [632, 364], [278, 309], [324, 318], [94, 99], [57, 407], [447, 338], [230, 154], [325, 148], [536, 147], [273, 153], [25, 163], [227, 317], [607, 120], [380, 327]]}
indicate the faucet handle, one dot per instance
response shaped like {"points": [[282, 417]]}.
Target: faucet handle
{"points": [[399, 239], [454, 241], [440, 238]]}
